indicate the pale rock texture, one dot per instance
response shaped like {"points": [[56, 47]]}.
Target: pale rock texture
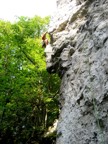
{"points": [[80, 56]]}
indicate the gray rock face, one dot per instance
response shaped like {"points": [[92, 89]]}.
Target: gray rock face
{"points": [[80, 57]]}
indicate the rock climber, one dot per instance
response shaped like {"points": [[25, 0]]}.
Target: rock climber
{"points": [[47, 47], [44, 40]]}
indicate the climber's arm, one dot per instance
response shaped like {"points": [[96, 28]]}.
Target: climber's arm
{"points": [[44, 36]]}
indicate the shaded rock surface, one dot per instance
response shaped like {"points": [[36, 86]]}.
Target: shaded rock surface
{"points": [[80, 56]]}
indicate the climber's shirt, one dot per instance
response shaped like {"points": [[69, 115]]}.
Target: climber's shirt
{"points": [[48, 51], [48, 48]]}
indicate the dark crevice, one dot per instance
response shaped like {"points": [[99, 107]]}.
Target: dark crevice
{"points": [[105, 40]]}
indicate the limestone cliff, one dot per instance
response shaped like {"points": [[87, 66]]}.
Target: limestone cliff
{"points": [[79, 31]]}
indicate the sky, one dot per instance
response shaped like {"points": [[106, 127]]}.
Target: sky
{"points": [[11, 9]]}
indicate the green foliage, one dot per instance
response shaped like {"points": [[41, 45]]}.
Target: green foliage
{"points": [[28, 94]]}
